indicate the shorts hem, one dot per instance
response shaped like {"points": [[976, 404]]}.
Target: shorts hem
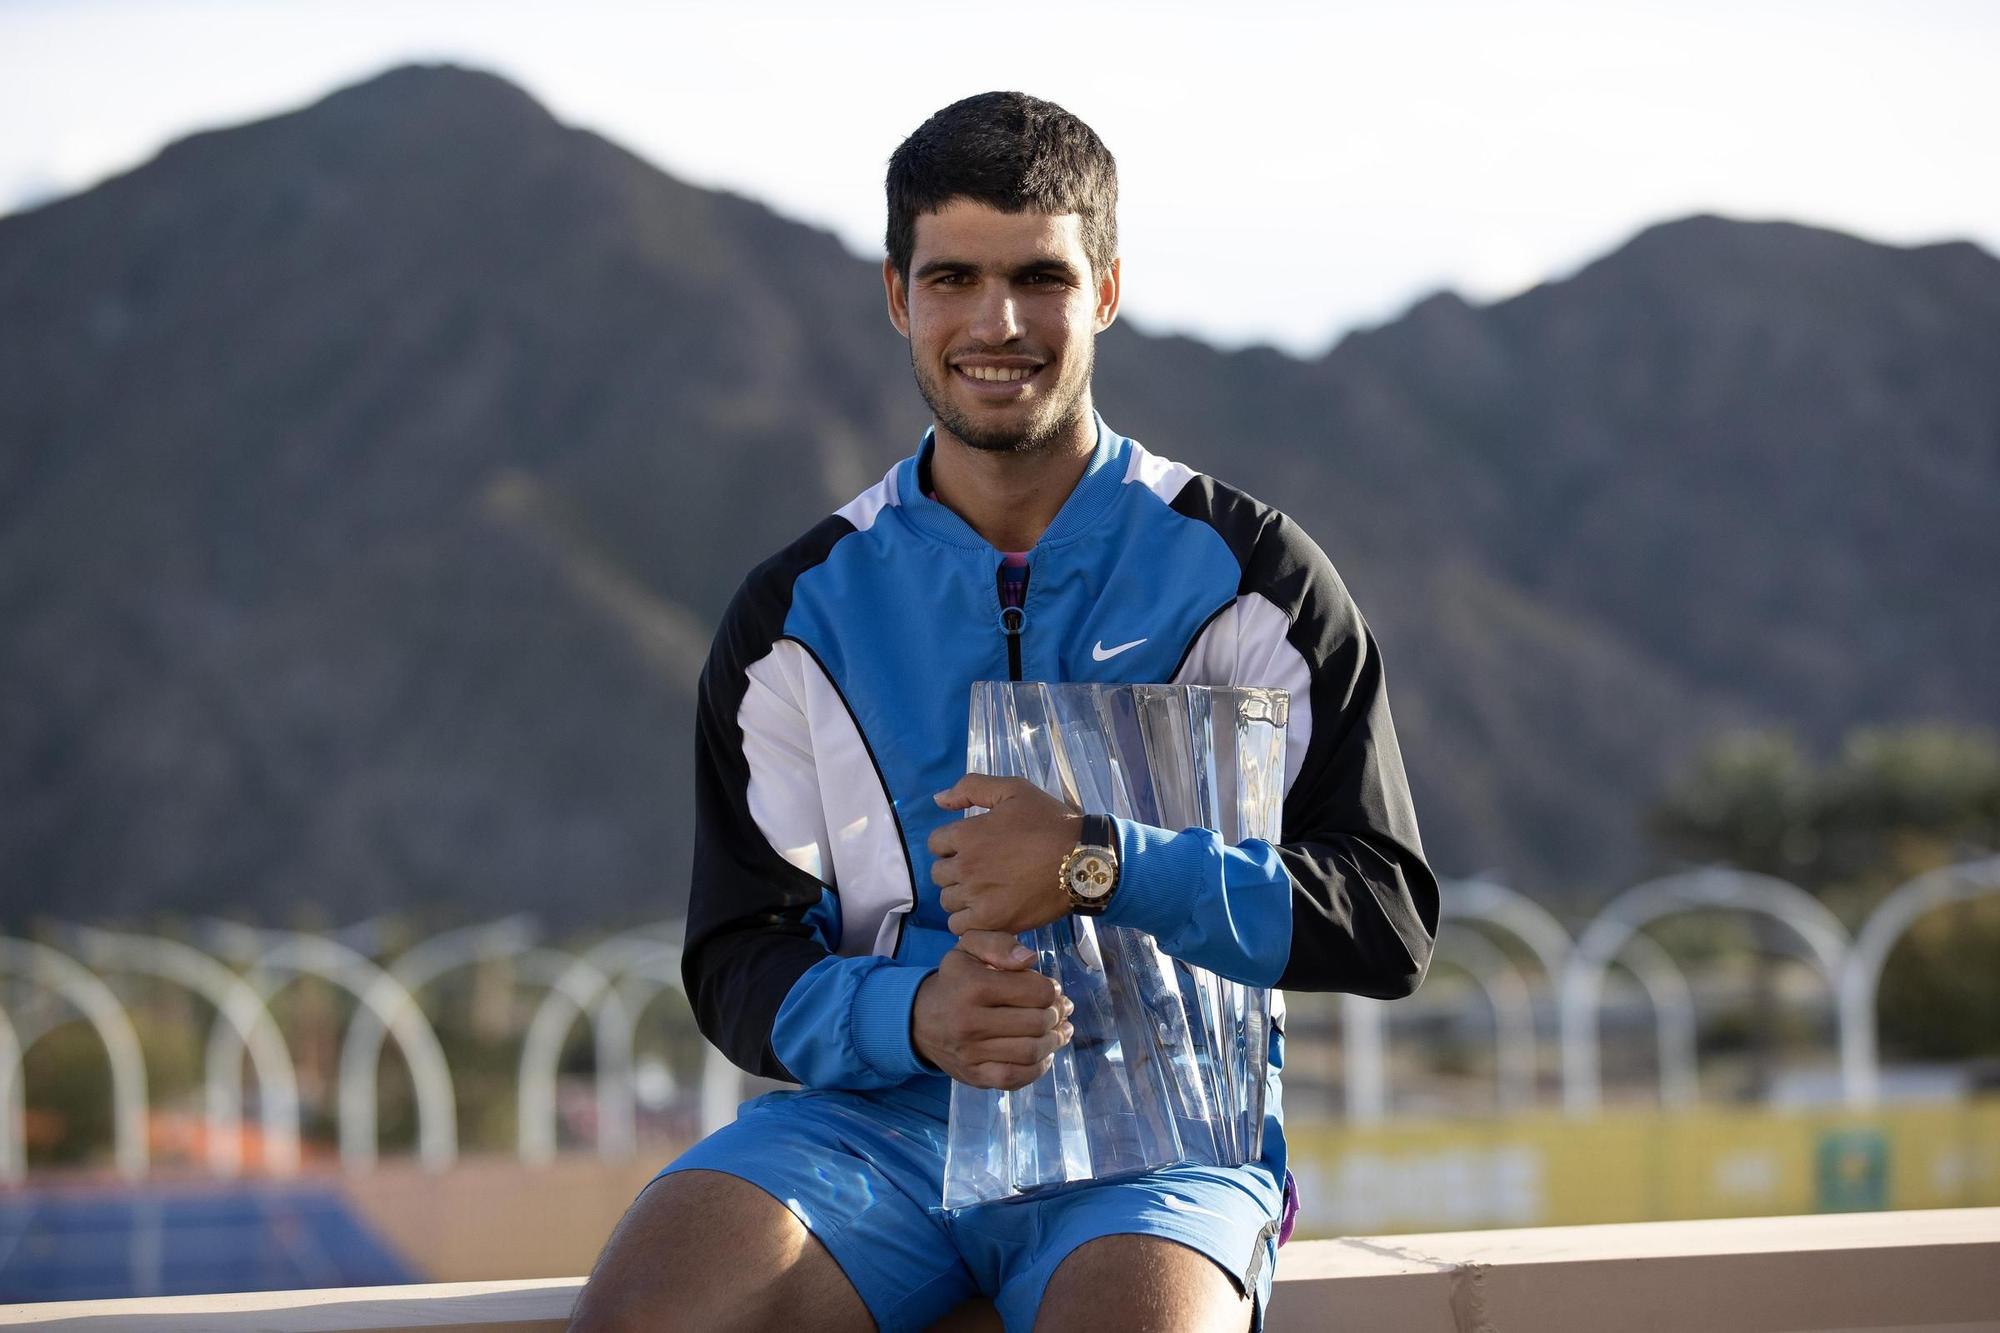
{"points": [[1201, 1245]]}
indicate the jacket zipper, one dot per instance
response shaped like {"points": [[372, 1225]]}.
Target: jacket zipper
{"points": [[1011, 618]]}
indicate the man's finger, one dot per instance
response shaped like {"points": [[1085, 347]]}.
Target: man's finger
{"points": [[1021, 990], [1018, 1050], [943, 840], [943, 875], [1010, 1021], [996, 948], [993, 1075], [980, 789]]}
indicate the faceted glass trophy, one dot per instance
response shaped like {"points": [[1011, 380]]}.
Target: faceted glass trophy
{"points": [[1168, 1061]]}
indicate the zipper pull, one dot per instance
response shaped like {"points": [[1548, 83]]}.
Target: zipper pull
{"points": [[1012, 619]]}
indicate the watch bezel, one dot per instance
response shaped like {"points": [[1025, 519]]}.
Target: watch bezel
{"points": [[1076, 861]]}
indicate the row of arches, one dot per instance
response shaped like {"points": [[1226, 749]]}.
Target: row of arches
{"points": [[1576, 967], [610, 984]]}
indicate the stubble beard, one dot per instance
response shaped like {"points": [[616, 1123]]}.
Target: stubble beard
{"points": [[1042, 430]]}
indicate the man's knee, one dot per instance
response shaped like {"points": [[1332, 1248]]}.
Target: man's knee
{"points": [[704, 1250]]}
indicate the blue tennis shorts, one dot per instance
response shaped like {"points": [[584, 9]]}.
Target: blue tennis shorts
{"points": [[864, 1171]]}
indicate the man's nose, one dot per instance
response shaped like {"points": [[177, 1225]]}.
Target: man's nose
{"points": [[996, 320]]}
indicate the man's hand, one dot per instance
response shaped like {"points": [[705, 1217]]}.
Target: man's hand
{"points": [[986, 1018], [1001, 870]]}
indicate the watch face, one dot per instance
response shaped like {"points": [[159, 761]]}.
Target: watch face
{"points": [[1091, 874]]}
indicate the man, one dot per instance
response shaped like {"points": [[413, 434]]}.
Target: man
{"points": [[852, 930]]}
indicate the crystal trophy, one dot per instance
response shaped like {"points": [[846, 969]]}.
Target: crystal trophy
{"points": [[1168, 1061]]}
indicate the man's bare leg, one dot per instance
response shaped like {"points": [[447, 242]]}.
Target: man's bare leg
{"points": [[704, 1250], [1141, 1283]]}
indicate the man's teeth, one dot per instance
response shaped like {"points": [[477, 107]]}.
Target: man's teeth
{"points": [[999, 374]]}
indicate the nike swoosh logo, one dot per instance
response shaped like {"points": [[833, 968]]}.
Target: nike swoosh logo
{"points": [[1099, 653]]}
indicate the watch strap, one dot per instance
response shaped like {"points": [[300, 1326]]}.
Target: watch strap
{"points": [[1100, 831]]}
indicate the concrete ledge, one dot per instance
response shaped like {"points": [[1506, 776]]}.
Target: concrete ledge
{"points": [[540, 1305], [1936, 1271], [1933, 1271]]}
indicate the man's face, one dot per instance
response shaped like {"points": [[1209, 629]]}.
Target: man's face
{"points": [[1001, 310]]}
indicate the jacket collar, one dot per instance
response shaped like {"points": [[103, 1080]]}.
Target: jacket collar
{"points": [[1093, 495]]}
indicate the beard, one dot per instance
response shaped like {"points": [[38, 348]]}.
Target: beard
{"points": [[1048, 422]]}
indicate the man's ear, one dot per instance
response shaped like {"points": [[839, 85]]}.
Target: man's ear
{"points": [[899, 297], [1107, 295]]}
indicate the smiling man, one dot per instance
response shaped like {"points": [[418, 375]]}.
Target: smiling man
{"points": [[852, 930]]}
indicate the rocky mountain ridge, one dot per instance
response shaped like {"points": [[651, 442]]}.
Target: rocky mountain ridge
{"points": [[370, 477]]}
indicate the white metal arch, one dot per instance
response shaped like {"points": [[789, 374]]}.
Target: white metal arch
{"points": [[721, 1080], [584, 987], [1666, 986], [1514, 912], [1860, 1068], [581, 988], [1364, 1059], [618, 1136], [13, 1107], [721, 1088], [1364, 1056], [37, 1010], [430, 1074], [1506, 993], [101, 1009], [417, 967], [587, 990], [1672, 999], [1606, 935], [238, 1004]]}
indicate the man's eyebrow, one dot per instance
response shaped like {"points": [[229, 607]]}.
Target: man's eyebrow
{"points": [[1060, 267]]}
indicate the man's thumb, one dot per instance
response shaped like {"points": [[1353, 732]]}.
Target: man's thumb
{"points": [[997, 948], [980, 789]]}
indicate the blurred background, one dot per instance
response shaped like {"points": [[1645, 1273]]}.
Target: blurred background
{"points": [[391, 397]]}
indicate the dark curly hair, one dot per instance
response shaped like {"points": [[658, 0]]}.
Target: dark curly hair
{"points": [[1012, 152]]}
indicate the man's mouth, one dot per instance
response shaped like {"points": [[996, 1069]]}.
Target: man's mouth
{"points": [[996, 377]]}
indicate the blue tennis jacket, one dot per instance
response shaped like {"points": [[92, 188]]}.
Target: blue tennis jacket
{"points": [[833, 706]]}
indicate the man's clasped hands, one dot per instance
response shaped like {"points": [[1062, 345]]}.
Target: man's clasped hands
{"points": [[986, 1017]]}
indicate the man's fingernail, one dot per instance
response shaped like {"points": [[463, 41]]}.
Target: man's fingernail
{"points": [[1022, 953]]}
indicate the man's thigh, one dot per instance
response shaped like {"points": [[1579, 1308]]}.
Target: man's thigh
{"points": [[855, 1170], [1142, 1283], [659, 1270]]}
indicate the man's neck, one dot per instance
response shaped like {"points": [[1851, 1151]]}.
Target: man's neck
{"points": [[1007, 498]]}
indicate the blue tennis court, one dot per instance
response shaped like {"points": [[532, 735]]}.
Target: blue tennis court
{"points": [[91, 1243]]}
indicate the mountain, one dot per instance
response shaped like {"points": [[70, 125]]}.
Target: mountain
{"points": [[370, 477]]}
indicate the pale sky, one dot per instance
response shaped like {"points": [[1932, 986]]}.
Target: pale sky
{"points": [[1287, 171]]}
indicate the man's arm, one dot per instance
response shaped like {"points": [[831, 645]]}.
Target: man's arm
{"points": [[760, 965], [1344, 901]]}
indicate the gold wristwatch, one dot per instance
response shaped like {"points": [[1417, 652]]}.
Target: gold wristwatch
{"points": [[1090, 871]]}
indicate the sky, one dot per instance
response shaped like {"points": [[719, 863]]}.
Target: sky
{"points": [[1287, 172]]}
